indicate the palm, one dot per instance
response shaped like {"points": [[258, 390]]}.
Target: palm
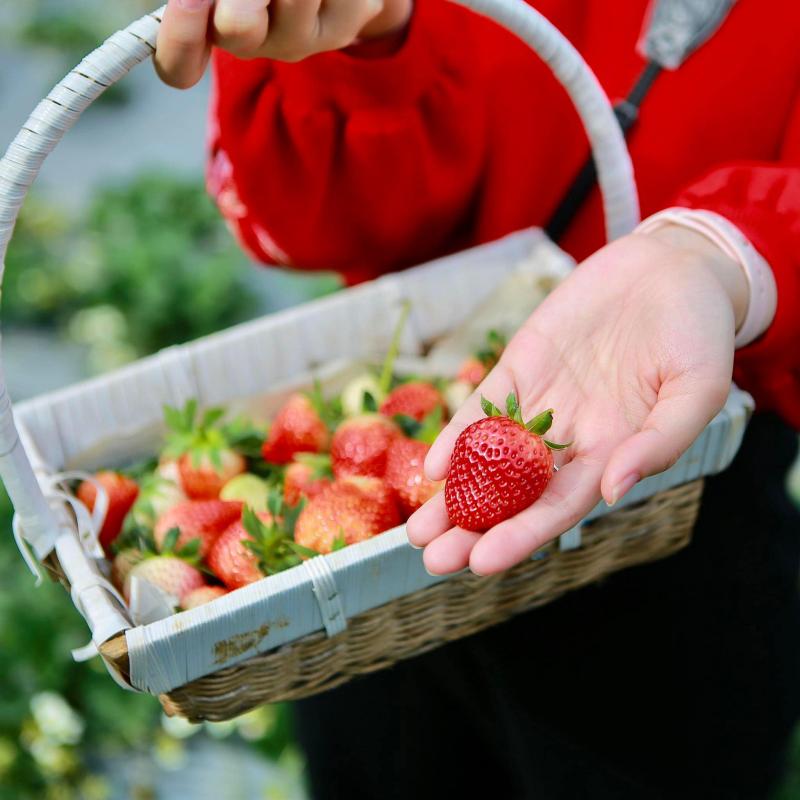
{"points": [[634, 352]]}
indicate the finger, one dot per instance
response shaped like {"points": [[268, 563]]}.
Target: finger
{"points": [[293, 29], [684, 407], [182, 47], [496, 387], [240, 26], [428, 522], [571, 494], [450, 552], [340, 21]]}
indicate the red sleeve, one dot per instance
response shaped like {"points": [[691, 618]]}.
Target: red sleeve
{"points": [[359, 162], [763, 199], [355, 164]]}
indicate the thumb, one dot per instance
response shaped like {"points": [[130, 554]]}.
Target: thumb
{"points": [[685, 406], [183, 48]]}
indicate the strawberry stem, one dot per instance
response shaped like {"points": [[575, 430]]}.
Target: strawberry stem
{"points": [[385, 380]]}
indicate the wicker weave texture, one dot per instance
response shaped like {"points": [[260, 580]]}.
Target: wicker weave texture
{"points": [[451, 610]]}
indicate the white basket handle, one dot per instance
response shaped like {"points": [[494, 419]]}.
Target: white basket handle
{"points": [[125, 49]]}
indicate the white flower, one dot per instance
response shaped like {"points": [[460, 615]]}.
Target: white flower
{"points": [[55, 719]]}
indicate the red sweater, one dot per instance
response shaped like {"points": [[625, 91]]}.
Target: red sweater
{"points": [[461, 135]]}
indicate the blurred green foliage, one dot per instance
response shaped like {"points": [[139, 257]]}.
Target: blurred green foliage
{"points": [[69, 31], [58, 718], [148, 264]]}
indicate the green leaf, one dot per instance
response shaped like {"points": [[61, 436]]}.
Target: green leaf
{"points": [[554, 446], [216, 459], [190, 551], [339, 543], [275, 502], [189, 414], [370, 403], [170, 540], [303, 552], [253, 525], [541, 423], [489, 408], [513, 409], [431, 426], [212, 416], [408, 425], [173, 418]]}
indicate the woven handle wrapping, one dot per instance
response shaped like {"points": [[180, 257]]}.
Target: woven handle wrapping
{"points": [[121, 52]]}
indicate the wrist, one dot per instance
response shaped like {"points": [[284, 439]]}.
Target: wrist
{"points": [[729, 273], [740, 269]]}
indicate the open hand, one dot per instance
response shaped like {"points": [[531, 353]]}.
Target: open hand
{"points": [[286, 30], [634, 351]]}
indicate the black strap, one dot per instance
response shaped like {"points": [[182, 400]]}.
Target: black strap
{"points": [[627, 112]]}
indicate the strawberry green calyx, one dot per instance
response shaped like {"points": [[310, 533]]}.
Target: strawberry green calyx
{"points": [[190, 552], [200, 438], [319, 463], [273, 542], [425, 431], [490, 354], [539, 425], [329, 411]]}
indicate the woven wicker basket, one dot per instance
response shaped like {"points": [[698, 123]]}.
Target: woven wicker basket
{"points": [[370, 605]]}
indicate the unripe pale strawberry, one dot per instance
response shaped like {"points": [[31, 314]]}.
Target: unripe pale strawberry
{"points": [[170, 574]]}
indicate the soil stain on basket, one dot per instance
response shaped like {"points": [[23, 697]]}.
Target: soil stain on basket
{"points": [[240, 643]]}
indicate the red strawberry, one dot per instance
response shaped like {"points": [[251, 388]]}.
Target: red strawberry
{"points": [[349, 511], [360, 445], [203, 477], [297, 428], [123, 563], [415, 399], [122, 492], [206, 460], [473, 371], [257, 545], [406, 476], [231, 560], [169, 573], [499, 466], [201, 596], [204, 520], [475, 368], [378, 492], [306, 476]]}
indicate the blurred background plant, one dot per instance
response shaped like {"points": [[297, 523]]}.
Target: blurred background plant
{"points": [[119, 253]]}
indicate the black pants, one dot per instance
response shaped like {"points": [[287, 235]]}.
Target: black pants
{"points": [[676, 679]]}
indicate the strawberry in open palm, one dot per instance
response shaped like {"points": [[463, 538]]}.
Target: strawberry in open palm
{"points": [[635, 350], [206, 460]]}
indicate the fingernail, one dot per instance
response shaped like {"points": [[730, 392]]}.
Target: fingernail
{"points": [[434, 574], [414, 546], [623, 487], [192, 5]]}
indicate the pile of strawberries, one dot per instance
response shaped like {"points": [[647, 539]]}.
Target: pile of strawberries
{"points": [[228, 503]]}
